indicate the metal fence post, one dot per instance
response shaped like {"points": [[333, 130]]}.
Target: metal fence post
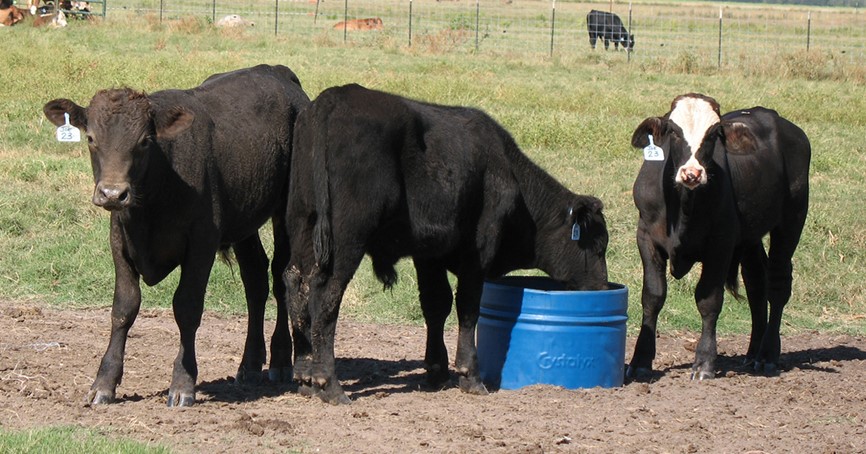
{"points": [[720, 37], [477, 14], [808, 30], [345, 20], [161, 8], [628, 38], [410, 23], [276, 16], [213, 11], [552, 25]]}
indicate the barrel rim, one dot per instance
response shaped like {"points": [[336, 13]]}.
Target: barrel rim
{"points": [[518, 281]]}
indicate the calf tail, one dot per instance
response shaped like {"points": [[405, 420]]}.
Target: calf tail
{"points": [[385, 271], [322, 236], [732, 283]]}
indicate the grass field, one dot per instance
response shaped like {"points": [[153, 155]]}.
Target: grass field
{"points": [[686, 34], [68, 440], [573, 114]]}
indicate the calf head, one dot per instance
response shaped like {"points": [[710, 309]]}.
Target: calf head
{"points": [[690, 135], [122, 129], [572, 248], [687, 136]]}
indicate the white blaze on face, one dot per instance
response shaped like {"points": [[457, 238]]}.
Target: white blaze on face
{"points": [[694, 116]]}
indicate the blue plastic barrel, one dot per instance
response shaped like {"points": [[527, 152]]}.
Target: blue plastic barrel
{"points": [[532, 331]]}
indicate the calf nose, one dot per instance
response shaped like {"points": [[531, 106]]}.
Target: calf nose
{"points": [[691, 176], [111, 196]]}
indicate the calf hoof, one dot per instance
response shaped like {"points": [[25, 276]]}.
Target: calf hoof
{"points": [[333, 394], [248, 376], [180, 399], [335, 399], [638, 373], [306, 390], [98, 397], [303, 372], [473, 386], [280, 374], [768, 369], [437, 377], [701, 375]]}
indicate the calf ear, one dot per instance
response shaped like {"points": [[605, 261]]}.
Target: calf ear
{"points": [[738, 138], [582, 211], [54, 110], [172, 122], [653, 125]]}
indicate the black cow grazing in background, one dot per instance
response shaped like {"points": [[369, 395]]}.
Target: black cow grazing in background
{"points": [[709, 190], [390, 177], [609, 28], [185, 174]]}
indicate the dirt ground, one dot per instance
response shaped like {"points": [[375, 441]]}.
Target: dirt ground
{"points": [[48, 358]]}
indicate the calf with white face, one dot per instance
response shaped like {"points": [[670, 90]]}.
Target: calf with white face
{"points": [[711, 187]]}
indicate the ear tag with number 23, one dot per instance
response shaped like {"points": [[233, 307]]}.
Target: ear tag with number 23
{"points": [[67, 132], [653, 152]]}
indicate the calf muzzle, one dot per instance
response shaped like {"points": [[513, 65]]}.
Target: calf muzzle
{"points": [[112, 196], [691, 177]]}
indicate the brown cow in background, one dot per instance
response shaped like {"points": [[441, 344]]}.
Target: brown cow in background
{"points": [[373, 23], [10, 14]]}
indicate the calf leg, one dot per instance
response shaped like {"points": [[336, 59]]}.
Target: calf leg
{"points": [[124, 310], [323, 307], [653, 296], [297, 281], [298, 297], [436, 298], [280, 369], [754, 265], [469, 288], [783, 243], [709, 295], [779, 293], [253, 264], [326, 294], [188, 304]]}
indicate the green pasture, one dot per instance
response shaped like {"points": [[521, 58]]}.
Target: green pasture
{"points": [[744, 34], [68, 440], [572, 113], [574, 116]]}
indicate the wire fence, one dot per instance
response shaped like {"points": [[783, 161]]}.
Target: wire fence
{"points": [[700, 34]]}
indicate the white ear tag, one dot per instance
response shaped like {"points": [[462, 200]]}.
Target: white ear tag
{"points": [[67, 132], [652, 152], [575, 232]]}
